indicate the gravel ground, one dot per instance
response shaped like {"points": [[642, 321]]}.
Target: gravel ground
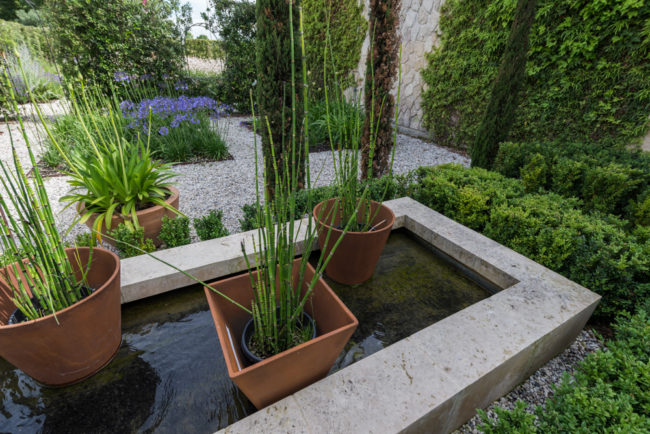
{"points": [[537, 388], [206, 66], [228, 185]]}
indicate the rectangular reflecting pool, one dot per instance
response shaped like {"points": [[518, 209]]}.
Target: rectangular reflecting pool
{"points": [[169, 375]]}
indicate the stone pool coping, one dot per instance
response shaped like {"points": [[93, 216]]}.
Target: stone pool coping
{"points": [[433, 380]]}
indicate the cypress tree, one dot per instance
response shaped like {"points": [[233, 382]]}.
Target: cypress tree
{"points": [[381, 69], [502, 107], [275, 88]]}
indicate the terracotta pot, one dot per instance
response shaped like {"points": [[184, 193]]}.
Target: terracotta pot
{"points": [[150, 218], [88, 333], [276, 377], [356, 257]]}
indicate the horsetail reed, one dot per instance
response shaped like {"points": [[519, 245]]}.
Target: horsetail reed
{"points": [[38, 271]]}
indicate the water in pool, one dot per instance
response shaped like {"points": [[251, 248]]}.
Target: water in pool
{"points": [[169, 375]]}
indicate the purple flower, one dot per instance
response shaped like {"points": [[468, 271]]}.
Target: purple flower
{"points": [[120, 76], [163, 131]]}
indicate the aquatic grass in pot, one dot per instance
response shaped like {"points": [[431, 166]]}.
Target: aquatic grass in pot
{"points": [[360, 248], [59, 308]]}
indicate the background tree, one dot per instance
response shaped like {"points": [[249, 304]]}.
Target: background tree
{"points": [[234, 21], [382, 63], [111, 36], [502, 107], [275, 93]]}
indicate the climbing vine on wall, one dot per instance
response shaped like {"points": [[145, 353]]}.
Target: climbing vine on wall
{"points": [[586, 77]]}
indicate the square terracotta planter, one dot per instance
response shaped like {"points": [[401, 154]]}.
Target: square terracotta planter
{"points": [[274, 378]]}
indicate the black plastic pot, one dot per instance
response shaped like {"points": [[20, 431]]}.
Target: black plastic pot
{"points": [[249, 328]]}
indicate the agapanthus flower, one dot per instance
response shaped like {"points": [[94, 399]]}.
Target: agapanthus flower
{"points": [[163, 131]]}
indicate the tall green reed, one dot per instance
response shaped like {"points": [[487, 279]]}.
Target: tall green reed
{"points": [[39, 273]]}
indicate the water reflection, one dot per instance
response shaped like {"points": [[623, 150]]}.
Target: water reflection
{"points": [[168, 376]]}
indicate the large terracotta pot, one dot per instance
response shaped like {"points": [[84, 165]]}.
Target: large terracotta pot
{"points": [[276, 377], [150, 218], [88, 333], [356, 257]]}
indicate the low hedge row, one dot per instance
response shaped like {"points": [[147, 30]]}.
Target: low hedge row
{"points": [[609, 392], [612, 181], [591, 249], [13, 34], [203, 48]]}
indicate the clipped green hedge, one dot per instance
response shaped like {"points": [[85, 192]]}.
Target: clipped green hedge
{"points": [[592, 250], [609, 392], [586, 76], [203, 48], [13, 34], [613, 181]]}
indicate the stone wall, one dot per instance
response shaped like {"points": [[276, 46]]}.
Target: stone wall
{"points": [[420, 33]]}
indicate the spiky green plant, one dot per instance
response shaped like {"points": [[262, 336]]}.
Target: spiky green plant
{"points": [[39, 273], [349, 155]]}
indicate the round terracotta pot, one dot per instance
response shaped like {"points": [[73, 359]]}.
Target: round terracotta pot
{"points": [[86, 337], [150, 218], [355, 258]]}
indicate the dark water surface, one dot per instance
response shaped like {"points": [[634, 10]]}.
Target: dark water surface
{"points": [[169, 375]]}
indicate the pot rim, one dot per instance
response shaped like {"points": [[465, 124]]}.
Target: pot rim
{"points": [[233, 372], [174, 195], [80, 302], [389, 225]]}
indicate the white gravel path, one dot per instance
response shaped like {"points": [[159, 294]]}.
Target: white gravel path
{"points": [[230, 184]]}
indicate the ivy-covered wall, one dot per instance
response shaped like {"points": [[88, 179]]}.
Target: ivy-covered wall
{"points": [[586, 78]]}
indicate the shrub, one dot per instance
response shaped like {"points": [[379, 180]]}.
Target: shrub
{"points": [[120, 35], [31, 17], [175, 232], [607, 393], [13, 35], [607, 180], [130, 242], [347, 29], [210, 226], [586, 76], [593, 250], [234, 21], [85, 239]]}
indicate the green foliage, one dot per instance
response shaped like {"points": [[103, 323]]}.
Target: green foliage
{"points": [[31, 17], [606, 180], [175, 232], [85, 239], [203, 48], [382, 64], [46, 281], [586, 76], [234, 21], [592, 250], [609, 392], [347, 29], [502, 106], [210, 226], [13, 35], [123, 35], [28, 76], [394, 187], [342, 119], [130, 241]]}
